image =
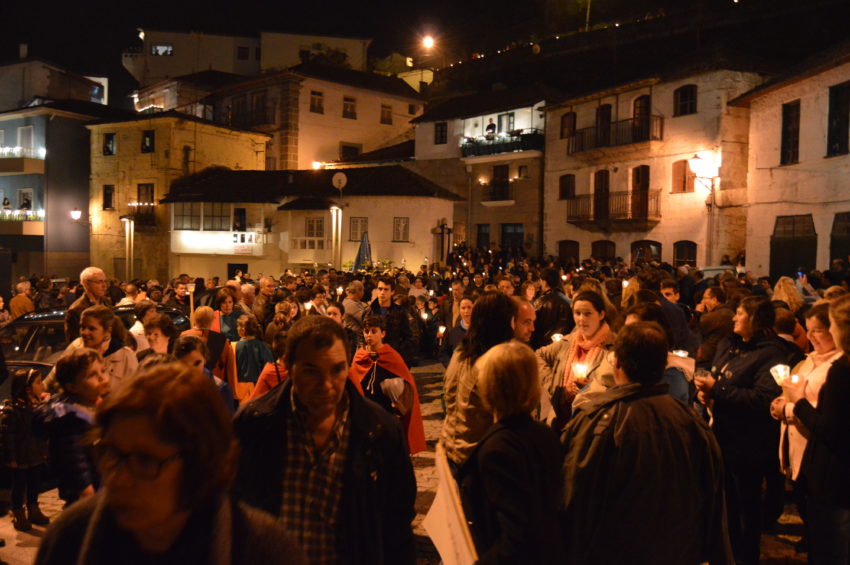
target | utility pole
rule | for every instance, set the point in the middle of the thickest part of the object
(587, 17)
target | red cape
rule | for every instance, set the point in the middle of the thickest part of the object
(389, 359)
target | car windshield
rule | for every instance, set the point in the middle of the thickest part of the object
(43, 342)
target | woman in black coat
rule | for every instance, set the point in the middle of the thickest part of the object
(739, 392)
(826, 462)
(509, 485)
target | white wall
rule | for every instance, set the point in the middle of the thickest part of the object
(425, 148)
(528, 117)
(281, 50)
(815, 185)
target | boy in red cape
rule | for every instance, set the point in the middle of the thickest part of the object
(380, 374)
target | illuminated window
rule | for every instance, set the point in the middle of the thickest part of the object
(148, 141)
(357, 227)
(401, 229)
(187, 215)
(162, 50)
(386, 114)
(315, 227)
(317, 102)
(441, 133)
(216, 216)
(790, 151)
(349, 108)
(109, 144)
(109, 197)
(685, 100)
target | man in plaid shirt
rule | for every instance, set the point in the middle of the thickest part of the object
(332, 466)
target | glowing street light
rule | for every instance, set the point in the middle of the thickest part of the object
(76, 214)
(428, 42)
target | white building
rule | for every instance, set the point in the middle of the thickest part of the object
(267, 221)
(618, 178)
(799, 167)
(29, 80)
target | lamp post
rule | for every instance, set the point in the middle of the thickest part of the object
(129, 236)
(706, 170)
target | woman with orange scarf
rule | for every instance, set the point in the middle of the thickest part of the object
(575, 367)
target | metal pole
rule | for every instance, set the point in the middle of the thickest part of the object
(587, 18)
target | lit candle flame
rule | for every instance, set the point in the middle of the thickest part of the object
(308, 305)
(580, 371)
(557, 337)
(424, 315)
(680, 353)
(625, 284)
(795, 379)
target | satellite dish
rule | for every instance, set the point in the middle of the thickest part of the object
(339, 180)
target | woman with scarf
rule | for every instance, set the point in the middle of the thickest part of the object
(380, 374)
(576, 366)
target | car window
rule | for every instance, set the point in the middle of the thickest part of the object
(14, 339)
(49, 342)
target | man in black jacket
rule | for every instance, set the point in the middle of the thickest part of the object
(399, 334)
(332, 466)
(554, 315)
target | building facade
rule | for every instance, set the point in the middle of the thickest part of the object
(133, 163)
(654, 170)
(31, 79)
(799, 167)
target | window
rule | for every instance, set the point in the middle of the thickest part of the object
(242, 53)
(603, 125)
(401, 229)
(109, 144)
(145, 204)
(386, 114)
(412, 109)
(187, 215)
(838, 124)
(357, 227)
(109, 197)
(685, 100)
(603, 249)
(522, 172)
(793, 246)
(2, 138)
(601, 183)
(684, 253)
(441, 133)
(568, 125)
(483, 236)
(314, 227)
(791, 227)
(258, 108)
(683, 178)
(25, 199)
(646, 250)
(317, 102)
(148, 141)
(216, 216)
(239, 111)
(349, 108)
(567, 187)
(790, 151)
(162, 50)
(506, 122)
(239, 219)
(349, 151)
(25, 141)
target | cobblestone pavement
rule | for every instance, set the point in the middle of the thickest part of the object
(777, 548)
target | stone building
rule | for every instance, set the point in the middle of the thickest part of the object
(133, 163)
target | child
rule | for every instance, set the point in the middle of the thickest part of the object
(380, 374)
(24, 454)
(251, 356)
(67, 419)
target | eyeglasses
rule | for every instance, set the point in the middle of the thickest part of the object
(138, 465)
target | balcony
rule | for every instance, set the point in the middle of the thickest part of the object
(492, 144)
(22, 222)
(22, 161)
(615, 211)
(497, 193)
(623, 132)
(248, 119)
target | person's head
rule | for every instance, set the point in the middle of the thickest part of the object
(477, 279)
(27, 386)
(385, 291)
(649, 312)
(224, 300)
(640, 353)
(713, 297)
(267, 286)
(96, 323)
(754, 317)
(164, 446)
(82, 374)
(181, 290)
(131, 290)
(317, 362)
(94, 282)
(374, 332)
(507, 380)
(670, 290)
(418, 282)
(524, 321)
(817, 328)
(786, 291)
(318, 295)
(202, 318)
(465, 309)
(159, 331)
(785, 322)
(492, 323)
(588, 312)
(248, 292)
(336, 312)
(839, 322)
(247, 327)
(354, 290)
(144, 310)
(505, 286)
(457, 290)
(192, 352)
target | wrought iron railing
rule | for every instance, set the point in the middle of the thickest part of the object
(623, 132)
(625, 205)
(514, 140)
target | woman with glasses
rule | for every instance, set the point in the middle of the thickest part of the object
(165, 450)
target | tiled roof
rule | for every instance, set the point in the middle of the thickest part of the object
(224, 185)
(359, 79)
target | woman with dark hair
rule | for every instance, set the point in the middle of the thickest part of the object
(739, 390)
(160, 333)
(165, 450)
(193, 352)
(226, 314)
(144, 310)
(455, 335)
(467, 420)
(577, 365)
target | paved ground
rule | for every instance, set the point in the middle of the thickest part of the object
(777, 549)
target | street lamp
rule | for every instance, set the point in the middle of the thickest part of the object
(76, 214)
(129, 236)
(428, 42)
(706, 170)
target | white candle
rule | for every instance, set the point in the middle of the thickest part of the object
(580, 372)
(557, 337)
(308, 305)
(680, 353)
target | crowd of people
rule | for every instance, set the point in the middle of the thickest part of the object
(595, 412)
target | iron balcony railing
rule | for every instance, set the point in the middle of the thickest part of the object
(623, 132)
(498, 189)
(514, 140)
(614, 206)
(249, 118)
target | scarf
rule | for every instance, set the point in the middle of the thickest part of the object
(585, 349)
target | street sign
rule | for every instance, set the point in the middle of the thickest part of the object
(339, 180)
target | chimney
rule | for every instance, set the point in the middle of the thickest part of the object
(23, 50)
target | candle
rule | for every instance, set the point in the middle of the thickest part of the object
(338, 290)
(424, 316)
(441, 330)
(780, 373)
(308, 305)
(564, 278)
(680, 353)
(430, 293)
(795, 379)
(625, 284)
(580, 373)
(557, 337)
